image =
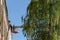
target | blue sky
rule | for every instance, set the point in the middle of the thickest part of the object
(17, 9)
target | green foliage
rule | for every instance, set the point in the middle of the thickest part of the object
(42, 20)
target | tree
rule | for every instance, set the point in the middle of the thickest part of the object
(42, 20)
